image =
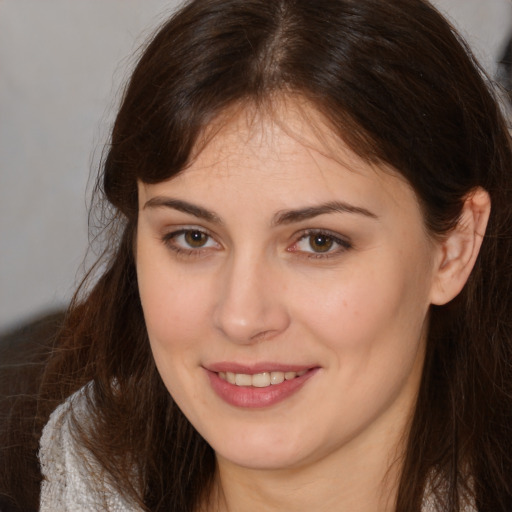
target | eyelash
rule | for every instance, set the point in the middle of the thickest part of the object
(342, 244)
(170, 238)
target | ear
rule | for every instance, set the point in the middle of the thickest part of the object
(460, 247)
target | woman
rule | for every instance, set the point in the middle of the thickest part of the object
(308, 303)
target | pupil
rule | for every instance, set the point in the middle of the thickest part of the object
(195, 238)
(320, 243)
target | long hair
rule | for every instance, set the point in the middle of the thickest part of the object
(398, 86)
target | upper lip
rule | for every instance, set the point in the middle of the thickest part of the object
(255, 368)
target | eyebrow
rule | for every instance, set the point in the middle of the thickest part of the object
(290, 216)
(282, 217)
(183, 206)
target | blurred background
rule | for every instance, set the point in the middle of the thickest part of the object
(62, 65)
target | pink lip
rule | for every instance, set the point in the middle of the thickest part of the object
(251, 397)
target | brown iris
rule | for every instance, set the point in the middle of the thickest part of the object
(320, 243)
(196, 239)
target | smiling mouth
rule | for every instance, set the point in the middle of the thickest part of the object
(259, 380)
(258, 386)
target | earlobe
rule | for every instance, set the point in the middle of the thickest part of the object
(459, 249)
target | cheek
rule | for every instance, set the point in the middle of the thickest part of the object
(171, 311)
(381, 305)
(171, 303)
(172, 314)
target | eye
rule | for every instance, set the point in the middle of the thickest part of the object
(190, 241)
(195, 239)
(320, 244)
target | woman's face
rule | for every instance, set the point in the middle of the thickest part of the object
(285, 287)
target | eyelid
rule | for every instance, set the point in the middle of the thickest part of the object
(170, 236)
(343, 243)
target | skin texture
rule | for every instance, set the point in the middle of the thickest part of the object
(256, 289)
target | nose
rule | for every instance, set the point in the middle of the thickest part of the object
(251, 304)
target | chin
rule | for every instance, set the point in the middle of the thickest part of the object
(261, 450)
(253, 459)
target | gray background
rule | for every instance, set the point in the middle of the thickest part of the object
(62, 64)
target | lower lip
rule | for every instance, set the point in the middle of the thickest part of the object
(252, 397)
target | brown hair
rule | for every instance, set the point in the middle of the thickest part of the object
(396, 83)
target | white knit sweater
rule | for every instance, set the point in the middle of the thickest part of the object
(67, 469)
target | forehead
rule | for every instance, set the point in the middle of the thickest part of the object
(280, 130)
(287, 155)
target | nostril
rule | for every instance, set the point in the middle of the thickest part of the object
(265, 335)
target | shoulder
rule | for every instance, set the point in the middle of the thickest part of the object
(72, 478)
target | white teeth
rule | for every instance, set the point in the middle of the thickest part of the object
(242, 379)
(259, 380)
(276, 377)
